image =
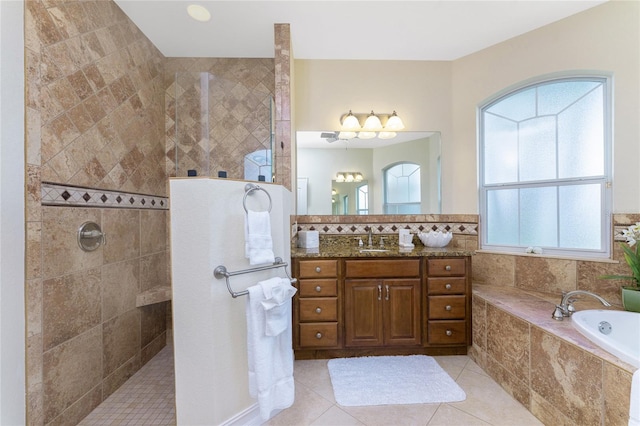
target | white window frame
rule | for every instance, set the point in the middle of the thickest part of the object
(605, 181)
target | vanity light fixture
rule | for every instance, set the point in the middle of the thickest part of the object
(394, 123)
(372, 122)
(199, 13)
(384, 125)
(349, 177)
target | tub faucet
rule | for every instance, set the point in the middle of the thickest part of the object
(370, 236)
(566, 309)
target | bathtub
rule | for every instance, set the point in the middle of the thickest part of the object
(617, 332)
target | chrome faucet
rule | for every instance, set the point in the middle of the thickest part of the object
(566, 309)
(370, 236)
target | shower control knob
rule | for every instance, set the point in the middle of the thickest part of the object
(318, 289)
(448, 332)
(318, 310)
(447, 268)
(447, 286)
(318, 335)
(447, 308)
(318, 269)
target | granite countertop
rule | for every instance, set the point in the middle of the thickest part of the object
(346, 247)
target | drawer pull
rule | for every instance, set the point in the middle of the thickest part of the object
(447, 308)
(387, 296)
(448, 332)
(319, 335)
(379, 292)
(318, 310)
(447, 268)
(318, 289)
(447, 286)
(318, 269)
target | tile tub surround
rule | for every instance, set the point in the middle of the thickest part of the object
(547, 365)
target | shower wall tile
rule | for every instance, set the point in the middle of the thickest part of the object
(33, 196)
(120, 286)
(71, 306)
(33, 296)
(154, 347)
(123, 234)
(153, 319)
(71, 370)
(153, 271)
(33, 255)
(79, 409)
(153, 231)
(60, 246)
(121, 340)
(113, 381)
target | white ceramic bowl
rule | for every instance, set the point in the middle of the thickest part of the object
(435, 238)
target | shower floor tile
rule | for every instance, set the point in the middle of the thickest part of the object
(147, 398)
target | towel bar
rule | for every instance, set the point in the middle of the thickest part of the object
(221, 272)
(248, 189)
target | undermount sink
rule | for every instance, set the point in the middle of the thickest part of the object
(373, 250)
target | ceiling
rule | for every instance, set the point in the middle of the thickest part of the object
(363, 30)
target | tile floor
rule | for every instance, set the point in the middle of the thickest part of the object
(148, 399)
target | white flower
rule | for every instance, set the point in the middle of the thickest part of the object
(632, 234)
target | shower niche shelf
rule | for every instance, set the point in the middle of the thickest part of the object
(154, 295)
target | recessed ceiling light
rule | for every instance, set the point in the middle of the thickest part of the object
(199, 13)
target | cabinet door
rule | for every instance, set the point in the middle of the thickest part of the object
(363, 313)
(401, 303)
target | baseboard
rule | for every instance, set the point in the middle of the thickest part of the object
(248, 417)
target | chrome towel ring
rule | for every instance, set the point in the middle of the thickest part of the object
(248, 189)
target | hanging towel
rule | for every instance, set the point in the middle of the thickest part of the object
(270, 357)
(257, 234)
(277, 304)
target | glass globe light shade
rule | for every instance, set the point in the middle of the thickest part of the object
(366, 135)
(394, 123)
(386, 135)
(372, 122)
(350, 122)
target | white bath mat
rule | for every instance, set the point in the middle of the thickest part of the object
(383, 380)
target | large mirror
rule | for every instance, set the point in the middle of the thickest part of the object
(368, 176)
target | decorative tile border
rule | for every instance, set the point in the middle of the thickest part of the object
(65, 195)
(389, 228)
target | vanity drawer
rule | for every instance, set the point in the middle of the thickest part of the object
(393, 268)
(447, 307)
(445, 267)
(324, 334)
(455, 285)
(447, 332)
(317, 288)
(317, 268)
(319, 309)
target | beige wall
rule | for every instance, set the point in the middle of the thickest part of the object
(605, 38)
(444, 95)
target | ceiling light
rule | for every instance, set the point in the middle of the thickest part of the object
(372, 122)
(386, 135)
(350, 122)
(394, 123)
(366, 135)
(199, 13)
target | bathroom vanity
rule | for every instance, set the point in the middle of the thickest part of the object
(381, 303)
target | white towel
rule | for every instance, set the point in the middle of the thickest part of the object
(277, 304)
(270, 357)
(257, 236)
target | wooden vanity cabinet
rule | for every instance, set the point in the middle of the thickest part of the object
(448, 301)
(316, 310)
(382, 303)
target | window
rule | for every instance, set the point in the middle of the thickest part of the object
(402, 189)
(362, 206)
(545, 166)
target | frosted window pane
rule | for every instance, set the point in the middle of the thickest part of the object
(537, 155)
(581, 136)
(517, 107)
(502, 215)
(538, 217)
(580, 216)
(555, 97)
(414, 186)
(500, 150)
